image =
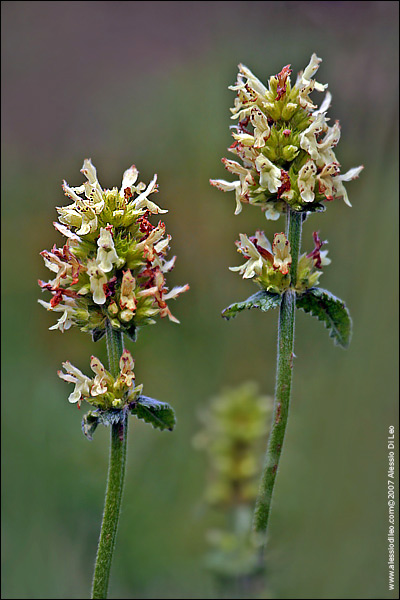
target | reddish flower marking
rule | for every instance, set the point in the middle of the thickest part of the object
(315, 254)
(57, 292)
(145, 226)
(263, 251)
(282, 78)
(242, 125)
(287, 132)
(109, 287)
(285, 186)
(127, 193)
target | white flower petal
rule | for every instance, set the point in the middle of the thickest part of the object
(128, 179)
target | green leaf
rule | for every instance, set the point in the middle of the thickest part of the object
(100, 417)
(159, 414)
(330, 310)
(263, 300)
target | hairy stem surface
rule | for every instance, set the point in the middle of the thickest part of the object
(115, 480)
(283, 386)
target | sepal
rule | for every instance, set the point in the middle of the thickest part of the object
(97, 334)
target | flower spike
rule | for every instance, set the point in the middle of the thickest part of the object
(285, 145)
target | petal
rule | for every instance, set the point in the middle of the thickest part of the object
(128, 179)
(225, 186)
(351, 174)
(89, 171)
(179, 289)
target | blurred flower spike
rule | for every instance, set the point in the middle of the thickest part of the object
(234, 425)
(103, 390)
(285, 145)
(269, 265)
(113, 263)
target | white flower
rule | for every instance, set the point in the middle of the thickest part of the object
(306, 181)
(241, 187)
(338, 185)
(310, 71)
(128, 180)
(147, 245)
(174, 293)
(64, 322)
(325, 181)
(127, 298)
(97, 280)
(55, 264)
(262, 240)
(106, 253)
(324, 147)
(102, 378)
(324, 258)
(254, 264)
(82, 382)
(306, 85)
(66, 232)
(68, 309)
(89, 222)
(270, 175)
(92, 188)
(244, 138)
(308, 139)
(256, 84)
(126, 365)
(230, 186)
(270, 212)
(325, 104)
(262, 130)
(142, 200)
(281, 251)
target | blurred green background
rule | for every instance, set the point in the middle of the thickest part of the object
(146, 82)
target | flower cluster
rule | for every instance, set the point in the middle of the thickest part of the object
(269, 266)
(103, 390)
(113, 263)
(234, 425)
(285, 144)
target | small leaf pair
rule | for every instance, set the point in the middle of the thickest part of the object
(318, 302)
(159, 414)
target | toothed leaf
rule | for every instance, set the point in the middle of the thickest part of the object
(159, 414)
(330, 310)
(263, 300)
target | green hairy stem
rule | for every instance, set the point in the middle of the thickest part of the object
(283, 385)
(115, 480)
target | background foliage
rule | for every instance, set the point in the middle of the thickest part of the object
(146, 82)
